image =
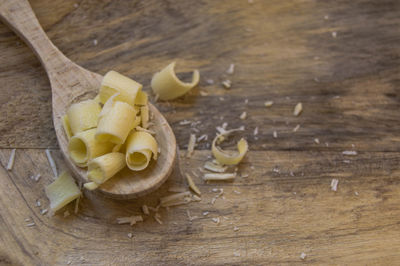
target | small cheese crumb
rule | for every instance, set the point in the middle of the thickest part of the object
(227, 84)
(246, 101)
(326, 17)
(191, 145)
(216, 220)
(349, 153)
(231, 69)
(52, 163)
(185, 122)
(210, 81)
(205, 213)
(298, 109)
(145, 210)
(243, 116)
(303, 255)
(43, 212)
(157, 217)
(130, 235)
(316, 140)
(268, 103)
(11, 160)
(30, 224)
(236, 229)
(227, 176)
(236, 254)
(38, 203)
(275, 134)
(95, 42)
(356, 193)
(296, 128)
(334, 184)
(255, 132)
(202, 137)
(334, 34)
(192, 185)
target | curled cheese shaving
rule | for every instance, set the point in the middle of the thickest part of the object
(62, 191)
(139, 147)
(226, 158)
(115, 125)
(83, 116)
(106, 166)
(83, 147)
(113, 82)
(167, 86)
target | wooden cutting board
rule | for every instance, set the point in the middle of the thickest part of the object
(340, 59)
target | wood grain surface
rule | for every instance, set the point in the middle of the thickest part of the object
(339, 58)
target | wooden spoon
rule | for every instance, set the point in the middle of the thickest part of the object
(71, 83)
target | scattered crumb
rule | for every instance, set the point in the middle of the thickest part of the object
(237, 192)
(216, 220)
(192, 185)
(334, 34)
(316, 140)
(66, 213)
(191, 145)
(27, 219)
(37, 177)
(43, 212)
(227, 84)
(130, 235)
(69, 262)
(255, 132)
(275, 134)
(303, 255)
(95, 42)
(202, 137)
(356, 193)
(203, 93)
(236, 229)
(145, 210)
(326, 17)
(157, 217)
(221, 99)
(231, 69)
(52, 163)
(296, 128)
(30, 224)
(346, 161)
(243, 116)
(11, 160)
(246, 101)
(38, 203)
(349, 153)
(236, 254)
(210, 81)
(205, 213)
(268, 103)
(298, 109)
(334, 184)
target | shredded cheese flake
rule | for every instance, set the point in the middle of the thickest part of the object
(243, 116)
(216, 177)
(145, 210)
(268, 103)
(191, 145)
(227, 84)
(298, 109)
(217, 168)
(52, 163)
(296, 128)
(334, 184)
(231, 69)
(192, 185)
(349, 153)
(11, 160)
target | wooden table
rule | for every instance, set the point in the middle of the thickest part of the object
(341, 59)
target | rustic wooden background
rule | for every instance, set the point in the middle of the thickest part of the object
(284, 51)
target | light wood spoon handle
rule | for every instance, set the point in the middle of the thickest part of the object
(19, 16)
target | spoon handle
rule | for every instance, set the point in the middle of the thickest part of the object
(19, 16)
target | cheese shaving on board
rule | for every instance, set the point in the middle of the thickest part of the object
(167, 85)
(229, 158)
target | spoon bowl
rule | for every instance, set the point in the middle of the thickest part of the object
(71, 83)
